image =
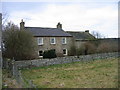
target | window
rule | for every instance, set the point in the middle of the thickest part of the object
(64, 51)
(40, 53)
(40, 41)
(3, 46)
(52, 41)
(63, 40)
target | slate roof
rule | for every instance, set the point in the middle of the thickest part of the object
(40, 31)
(81, 35)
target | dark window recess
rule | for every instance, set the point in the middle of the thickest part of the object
(64, 51)
(40, 53)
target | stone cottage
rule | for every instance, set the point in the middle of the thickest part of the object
(51, 38)
(56, 38)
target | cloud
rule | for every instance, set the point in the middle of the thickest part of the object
(76, 17)
(59, 0)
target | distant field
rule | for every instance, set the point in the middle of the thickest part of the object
(94, 74)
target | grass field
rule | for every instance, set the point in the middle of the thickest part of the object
(93, 74)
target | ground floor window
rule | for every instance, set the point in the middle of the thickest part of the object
(40, 53)
(64, 51)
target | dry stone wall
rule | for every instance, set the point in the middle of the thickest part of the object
(62, 60)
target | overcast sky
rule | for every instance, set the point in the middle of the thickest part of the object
(74, 15)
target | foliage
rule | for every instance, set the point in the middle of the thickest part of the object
(97, 46)
(49, 54)
(19, 44)
(107, 47)
(72, 50)
(80, 50)
(90, 48)
(86, 48)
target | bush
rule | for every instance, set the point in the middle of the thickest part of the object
(19, 44)
(49, 54)
(80, 50)
(72, 50)
(90, 48)
(86, 48)
(107, 47)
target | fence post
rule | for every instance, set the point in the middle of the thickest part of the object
(13, 67)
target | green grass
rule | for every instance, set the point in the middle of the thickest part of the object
(94, 74)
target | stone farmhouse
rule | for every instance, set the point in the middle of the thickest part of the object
(56, 38)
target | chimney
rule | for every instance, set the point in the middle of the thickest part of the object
(22, 25)
(59, 26)
(87, 31)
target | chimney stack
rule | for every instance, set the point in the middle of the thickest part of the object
(59, 26)
(22, 25)
(87, 31)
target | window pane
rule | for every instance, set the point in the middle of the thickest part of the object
(40, 41)
(52, 40)
(40, 53)
(63, 40)
(64, 51)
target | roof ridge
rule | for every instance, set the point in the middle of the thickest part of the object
(76, 31)
(42, 31)
(41, 27)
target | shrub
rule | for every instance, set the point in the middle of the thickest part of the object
(80, 50)
(86, 48)
(90, 48)
(72, 50)
(19, 44)
(49, 54)
(107, 47)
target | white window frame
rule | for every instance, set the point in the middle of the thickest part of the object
(65, 42)
(51, 41)
(3, 46)
(40, 42)
(66, 51)
(0, 48)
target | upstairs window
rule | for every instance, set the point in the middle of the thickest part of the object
(40, 41)
(52, 41)
(64, 41)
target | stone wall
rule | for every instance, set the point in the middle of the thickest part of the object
(61, 60)
(113, 41)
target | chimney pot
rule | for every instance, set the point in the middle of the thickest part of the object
(87, 31)
(22, 25)
(59, 26)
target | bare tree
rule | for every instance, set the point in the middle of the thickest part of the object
(97, 34)
(4, 18)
